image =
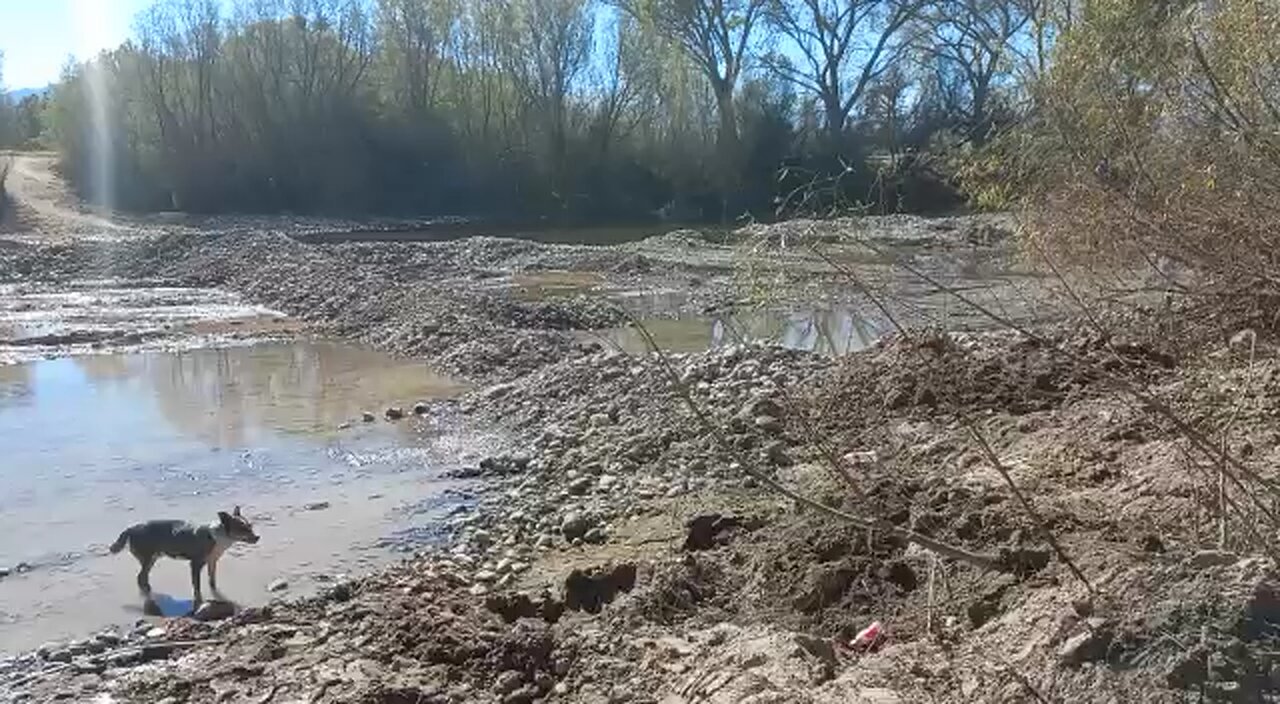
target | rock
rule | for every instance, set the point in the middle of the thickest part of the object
(125, 658)
(497, 391)
(1151, 543)
(88, 666)
(340, 592)
(574, 526)
(394, 413)
(486, 576)
(768, 424)
(278, 585)
(580, 486)
(1212, 558)
(22, 568)
(823, 650)
(776, 452)
(156, 651)
(368, 417)
(524, 695)
(761, 405)
(600, 420)
(861, 457)
(215, 610)
(4, 572)
(508, 681)
(420, 409)
(1089, 646)
(156, 632)
(595, 536)
(316, 506)
(80, 647)
(58, 655)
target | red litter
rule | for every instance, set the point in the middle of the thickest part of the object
(868, 637)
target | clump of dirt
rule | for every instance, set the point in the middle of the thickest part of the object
(712, 529)
(589, 590)
(515, 606)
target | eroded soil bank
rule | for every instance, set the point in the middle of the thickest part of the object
(627, 554)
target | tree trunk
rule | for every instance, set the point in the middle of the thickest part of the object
(727, 148)
(835, 117)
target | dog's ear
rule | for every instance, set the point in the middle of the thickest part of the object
(224, 517)
(236, 512)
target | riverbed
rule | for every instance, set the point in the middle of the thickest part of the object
(96, 442)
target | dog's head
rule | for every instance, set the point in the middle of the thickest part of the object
(236, 527)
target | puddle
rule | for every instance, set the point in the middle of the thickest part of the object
(831, 331)
(96, 443)
(541, 285)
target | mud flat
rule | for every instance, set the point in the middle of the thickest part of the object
(622, 554)
(620, 551)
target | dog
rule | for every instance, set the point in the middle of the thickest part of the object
(201, 545)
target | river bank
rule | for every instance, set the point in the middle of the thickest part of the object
(626, 555)
(635, 548)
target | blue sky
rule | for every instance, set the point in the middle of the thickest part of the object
(37, 36)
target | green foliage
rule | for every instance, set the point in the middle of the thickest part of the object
(1157, 135)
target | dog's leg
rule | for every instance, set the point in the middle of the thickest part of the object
(213, 577)
(146, 562)
(196, 567)
(144, 573)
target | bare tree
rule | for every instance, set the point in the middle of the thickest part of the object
(628, 70)
(886, 108)
(416, 35)
(844, 46)
(550, 47)
(717, 36)
(975, 42)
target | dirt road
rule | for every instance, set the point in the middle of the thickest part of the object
(46, 210)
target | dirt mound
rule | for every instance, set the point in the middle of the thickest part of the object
(933, 375)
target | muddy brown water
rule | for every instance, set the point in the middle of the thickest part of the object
(835, 330)
(94, 443)
(832, 329)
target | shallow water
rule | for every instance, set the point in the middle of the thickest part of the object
(40, 320)
(834, 330)
(93, 444)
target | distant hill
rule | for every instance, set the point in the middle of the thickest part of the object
(20, 93)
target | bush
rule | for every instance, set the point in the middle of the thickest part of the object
(1157, 136)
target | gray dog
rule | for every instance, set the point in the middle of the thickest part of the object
(199, 545)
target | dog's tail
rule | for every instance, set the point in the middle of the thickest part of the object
(120, 542)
